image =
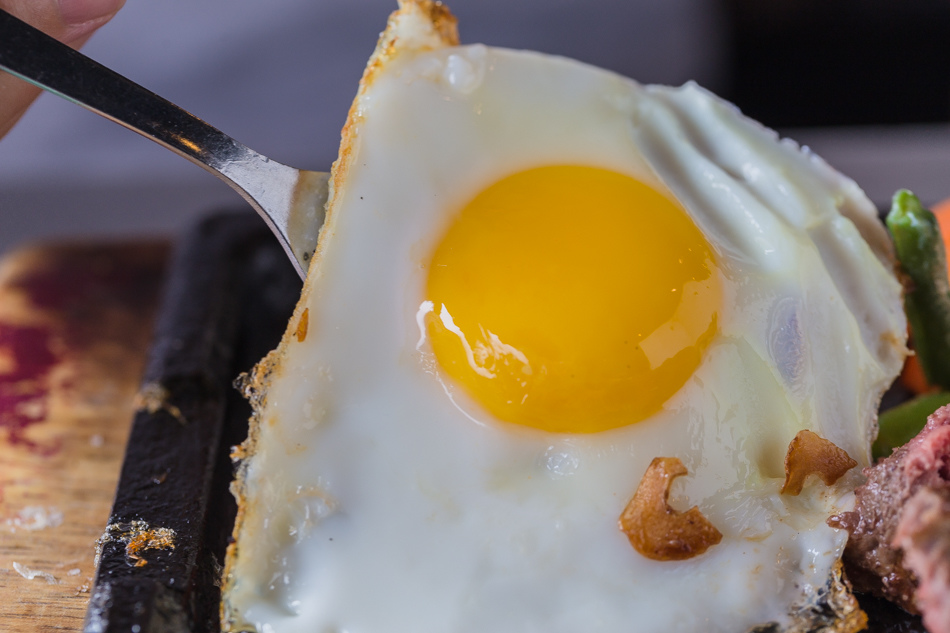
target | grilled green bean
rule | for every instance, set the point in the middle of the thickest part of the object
(923, 261)
(898, 425)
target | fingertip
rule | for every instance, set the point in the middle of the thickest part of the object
(82, 17)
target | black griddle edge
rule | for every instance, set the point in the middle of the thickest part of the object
(229, 293)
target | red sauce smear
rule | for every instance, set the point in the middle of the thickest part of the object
(89, 293)
(24, 386)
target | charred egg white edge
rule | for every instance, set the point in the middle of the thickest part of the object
(370, 502)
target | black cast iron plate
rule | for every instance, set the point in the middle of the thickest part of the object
(228, 296)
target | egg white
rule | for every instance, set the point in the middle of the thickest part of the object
(379, 499)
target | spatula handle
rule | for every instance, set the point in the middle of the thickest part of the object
(45, 62)
(289, 200)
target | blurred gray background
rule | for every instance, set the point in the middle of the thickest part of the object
(279, 76)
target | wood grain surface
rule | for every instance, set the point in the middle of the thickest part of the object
(75, 324)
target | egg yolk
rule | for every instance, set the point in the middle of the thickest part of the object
(571, 299)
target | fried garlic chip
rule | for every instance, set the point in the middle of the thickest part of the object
(656, 530)
(809, 453)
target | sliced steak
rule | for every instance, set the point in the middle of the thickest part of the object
(923, 535)
(873, 562)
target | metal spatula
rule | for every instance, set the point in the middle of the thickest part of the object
(290, 200)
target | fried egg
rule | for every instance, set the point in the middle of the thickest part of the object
(535, 278)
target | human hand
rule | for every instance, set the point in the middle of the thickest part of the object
(70, 21)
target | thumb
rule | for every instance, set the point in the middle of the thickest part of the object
(69, 21)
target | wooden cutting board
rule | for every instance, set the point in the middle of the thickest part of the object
(75, 325)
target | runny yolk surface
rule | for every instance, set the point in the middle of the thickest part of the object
(572, 299)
